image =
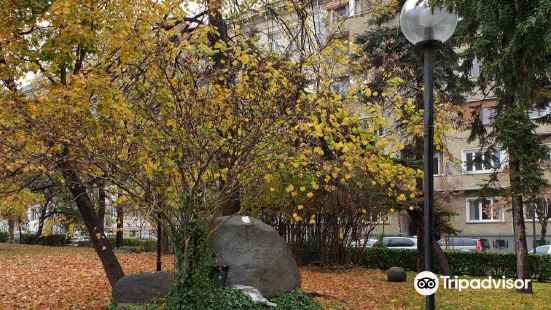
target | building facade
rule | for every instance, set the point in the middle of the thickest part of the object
(466, 168)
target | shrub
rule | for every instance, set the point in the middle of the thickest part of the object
(461, 263)
(143, 245)
(29, 239)
(383, 258)
(221, 299)
(54, 240)
(130, 248)
(379, 243)
(4, 236)
(295, 300)
(50, 240)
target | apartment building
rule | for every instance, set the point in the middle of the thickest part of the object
(461, 174)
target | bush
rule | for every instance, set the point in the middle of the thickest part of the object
(222, 299)
(142, 245)
(50, 240)
(4, 236)
(54, 240)
(383, 258)
(29, 239)
(130, 248)
(461, 263)
(295, 300)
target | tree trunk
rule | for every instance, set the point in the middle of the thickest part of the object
(101, 207)
(417, 218)
(233, 204)
(164, 241)
(519, 229)
(84, 205)
(19, 226)
(441, 259)
(42, 218)
(543, 232)
(120, 227)
(11, 229)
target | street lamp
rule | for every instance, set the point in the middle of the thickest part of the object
(427, 27)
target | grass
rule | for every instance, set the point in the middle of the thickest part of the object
(41, 277)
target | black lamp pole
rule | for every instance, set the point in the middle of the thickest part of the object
(428, 179)
(159, 228)
(534, 227)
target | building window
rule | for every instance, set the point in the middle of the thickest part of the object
(438, 164)
(486, 115)
(539, 113)
(482, 161)
(483, 210)
(540, 206)
(475, 68)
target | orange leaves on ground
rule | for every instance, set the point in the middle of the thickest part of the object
(352, 288)
(37, 277)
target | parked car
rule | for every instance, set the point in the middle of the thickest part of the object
(400, 242)
(543, 249)
(80, 240)
(367, 243)
(465, 244)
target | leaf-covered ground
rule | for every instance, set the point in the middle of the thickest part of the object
(37, 277)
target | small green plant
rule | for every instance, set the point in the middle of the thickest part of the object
(144, 245)
(53, 240)
(295, 300)
(29, 239)
(379, 243)
(4, 236)
(221, 299)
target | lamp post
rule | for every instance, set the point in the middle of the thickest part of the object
(427, 27)
(534, 244)
(159, 241)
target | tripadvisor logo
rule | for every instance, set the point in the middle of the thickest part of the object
(426, 283)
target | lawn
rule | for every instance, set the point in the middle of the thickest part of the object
(37, 277)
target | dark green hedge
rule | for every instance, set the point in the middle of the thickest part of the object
(137, 244)
(461, 263)
(50, 240)
(4, 236)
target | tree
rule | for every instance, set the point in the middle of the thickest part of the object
(14, 203)
(145, 97)
(390, 68)
(510, 38)
(60, 122)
